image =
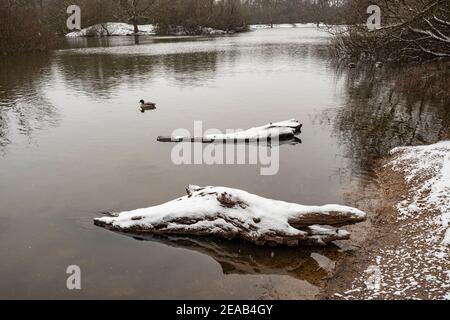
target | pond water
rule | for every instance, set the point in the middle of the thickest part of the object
(73, 142)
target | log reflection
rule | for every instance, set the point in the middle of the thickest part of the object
(237, 257)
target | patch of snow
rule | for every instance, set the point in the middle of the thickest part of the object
(112, 29)
(327, 230)
(353, 291)
(427, 169)
(417, 267)
(446, 240)
(232, 213)
(214, 32)
(285, 25)
(218, 32)
(183, 31)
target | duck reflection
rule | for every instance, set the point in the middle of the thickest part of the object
(310, 264)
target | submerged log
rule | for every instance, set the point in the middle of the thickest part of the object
(280, 131)
(235, 214)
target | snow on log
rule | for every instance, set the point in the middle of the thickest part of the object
(285, 130)
(235, 214)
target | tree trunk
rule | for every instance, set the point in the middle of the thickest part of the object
(235, 214)
(135, 25)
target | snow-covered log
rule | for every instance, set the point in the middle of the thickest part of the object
(236, 214)
(284, 130)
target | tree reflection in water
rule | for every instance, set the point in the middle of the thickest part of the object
(384, 109)
(23, 105)
(100, 75)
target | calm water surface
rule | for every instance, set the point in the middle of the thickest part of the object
(73, 142)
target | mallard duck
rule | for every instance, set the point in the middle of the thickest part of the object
(379, 65)
(147, 105)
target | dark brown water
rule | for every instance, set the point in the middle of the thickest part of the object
(73, 142)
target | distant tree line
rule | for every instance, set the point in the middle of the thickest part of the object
(219, 14)
(33, 25)
(411, 29)
(295, 11)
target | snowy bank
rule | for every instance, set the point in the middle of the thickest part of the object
(124, 29)
(427, 172)
(285, 25)
(196, 31)
(235, 214)
(112, 29)
(409, 254)
(284, 130)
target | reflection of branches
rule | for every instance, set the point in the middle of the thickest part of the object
(406, 106)
(3, 130)
(100, 75)
(23, 107)
(100, 71)
(191, 68)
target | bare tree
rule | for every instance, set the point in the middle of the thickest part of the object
(135, 10)
(412, 30)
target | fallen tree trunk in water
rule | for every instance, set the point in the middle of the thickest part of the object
(285, 130)
(235, 214)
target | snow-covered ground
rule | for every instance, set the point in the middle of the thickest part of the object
(418, 266)
(284, 25)
(112, 29)
(124, 29)
(427, 170)
(231, 213)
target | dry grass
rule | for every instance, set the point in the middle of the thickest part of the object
(431, 79)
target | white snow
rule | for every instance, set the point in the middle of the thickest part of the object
(258, 217)
(417, 266)
(124, 29)
(280, 130)
(182, 31)
(428, 170)
(112, 29)
(285, 25)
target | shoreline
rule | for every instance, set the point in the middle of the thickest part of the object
(116, 29)
(402, 256)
